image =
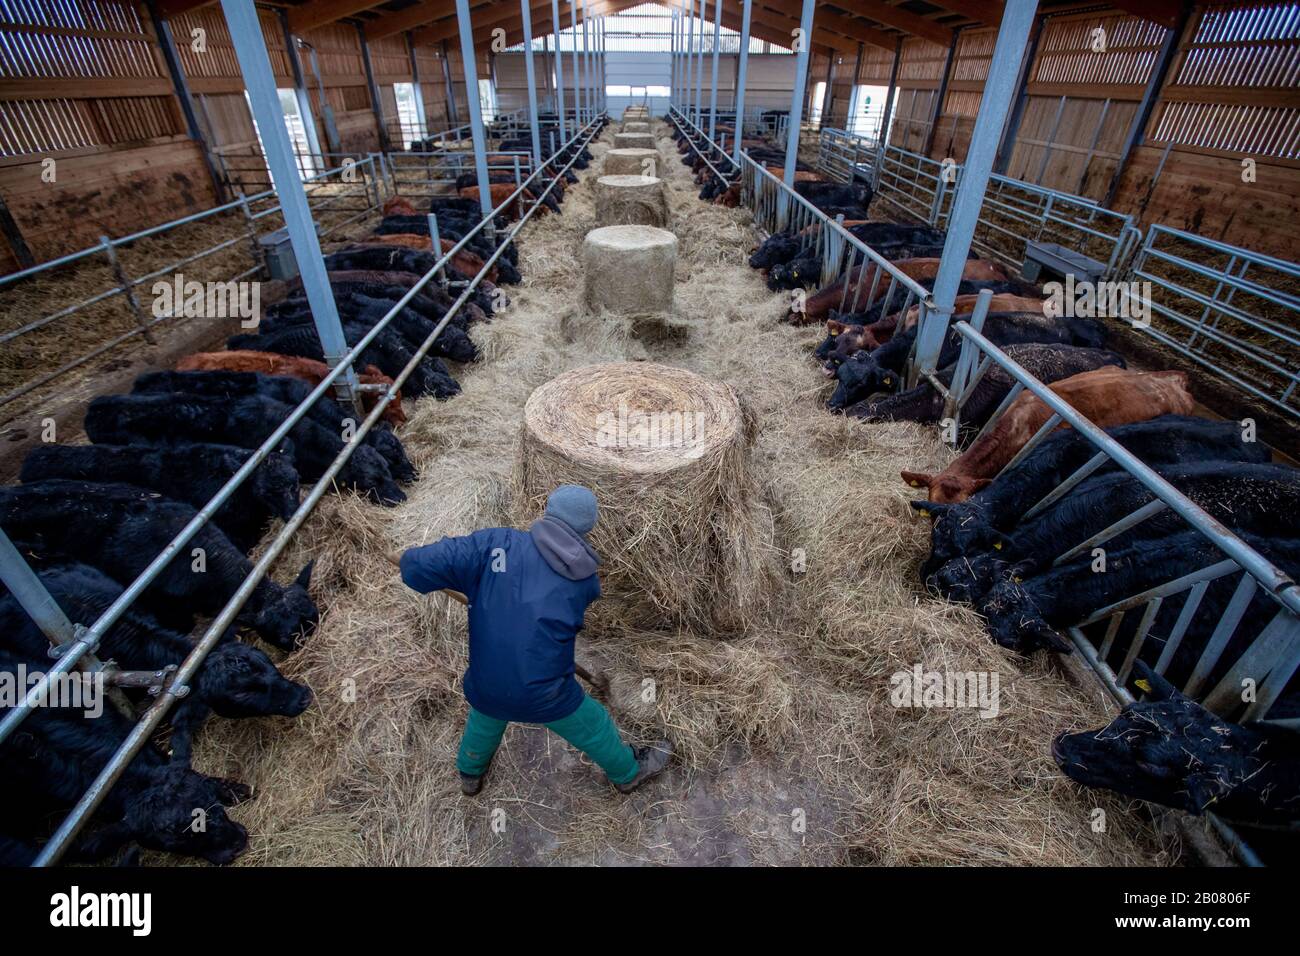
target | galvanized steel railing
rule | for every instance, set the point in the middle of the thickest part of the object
(88, 638)
(1229, 310)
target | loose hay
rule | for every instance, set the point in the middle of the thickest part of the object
(684, 539)
(792, 714)
(631, 200)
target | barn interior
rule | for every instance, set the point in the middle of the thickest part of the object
(367, 242)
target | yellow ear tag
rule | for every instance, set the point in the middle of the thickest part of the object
(1016, 580)
(1143, 685)
(915, 484)
(923, 513)
(997, 545)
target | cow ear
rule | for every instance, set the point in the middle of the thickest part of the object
(978, 484)
(304, 576)
(927, 509)
(917, 479)
(1048, 637)
(833, 327)
(1152, 684)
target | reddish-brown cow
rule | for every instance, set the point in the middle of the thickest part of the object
(869, 277)
(1106, 396)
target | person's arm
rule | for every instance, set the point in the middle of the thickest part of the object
(449, 564)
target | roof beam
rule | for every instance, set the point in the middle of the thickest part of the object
(321, 12)
(780, 28)
(175, 8)
(427, 11)
(988, 12)
(1163, 12)
(824, 21)
(901, 19)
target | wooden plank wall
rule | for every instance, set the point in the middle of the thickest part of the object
(920, 70)
(84, 85)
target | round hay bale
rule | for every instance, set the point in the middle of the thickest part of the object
(631, 201)
(636, 126)
(632, 162)
(681, 536)
(629, 269)
(634, 141)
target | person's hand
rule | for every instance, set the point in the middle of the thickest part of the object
(394, 558)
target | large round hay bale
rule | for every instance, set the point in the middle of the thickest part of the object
(636, 126)
(631, 201)
(682, 536)
(632, 162)
(629, 269)
(634, 141)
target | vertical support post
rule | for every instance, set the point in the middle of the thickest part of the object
(577, 79)
(167, 44)
(941, 94)
(690, 57)
(1012, 129)
(421, 116)
(713, 94)
(588, 60)
(800, 89)
(377, 104)
(999, 88)
(1159, 72)
(888, 113)
(559, 67)
(453, 112)
(699, 70)
(743, 69)
(827, 97)
(853, 91)
(300, 90)
(674, 97)
(259, 81)
(532, 84)
(128, 289)
(470, 64)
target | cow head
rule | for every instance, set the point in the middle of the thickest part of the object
(1166, 749)
(859, 378)
(944, 488)
(1014, 620)
(967, 579)
(394, 454)
(286, 614)
(181, 811)
(957, 529)
(367, 471)
(275, 483)
(238, 680)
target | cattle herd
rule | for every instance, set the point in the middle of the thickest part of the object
(90, 518)
(992, 549)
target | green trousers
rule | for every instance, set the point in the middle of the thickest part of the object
(589, 728)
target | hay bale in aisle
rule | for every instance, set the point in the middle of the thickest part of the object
(633, 162)
(683, 537)
(631, 201)
(629, 269)
(636, 126)
(634, 141)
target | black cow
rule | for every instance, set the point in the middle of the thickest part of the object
(51, 760)
(247, 421)
(192, 473)
(1169, 750)
(854, 199)
(881, 370)
(120, 529)
(387, 352)
(972, 526)
(281, 388)
(236, 680)
(1259, 499)
(1047, 363)
(1025, 614)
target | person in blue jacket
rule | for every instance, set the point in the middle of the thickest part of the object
(528, 593)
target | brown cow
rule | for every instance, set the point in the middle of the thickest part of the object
(864, 277)
(309, 370)
(399, 206)
(500, 193)
(882, 330)
(1106, 396)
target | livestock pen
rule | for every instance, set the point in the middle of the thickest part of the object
(435, 277)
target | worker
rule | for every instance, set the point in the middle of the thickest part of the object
(528, 593)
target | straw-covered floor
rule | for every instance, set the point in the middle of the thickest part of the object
(789, 749)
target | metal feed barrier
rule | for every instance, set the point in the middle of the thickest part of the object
(333, 191)
(1229, 310)
(175, 685)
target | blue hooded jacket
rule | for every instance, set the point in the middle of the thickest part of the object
(528, 594)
